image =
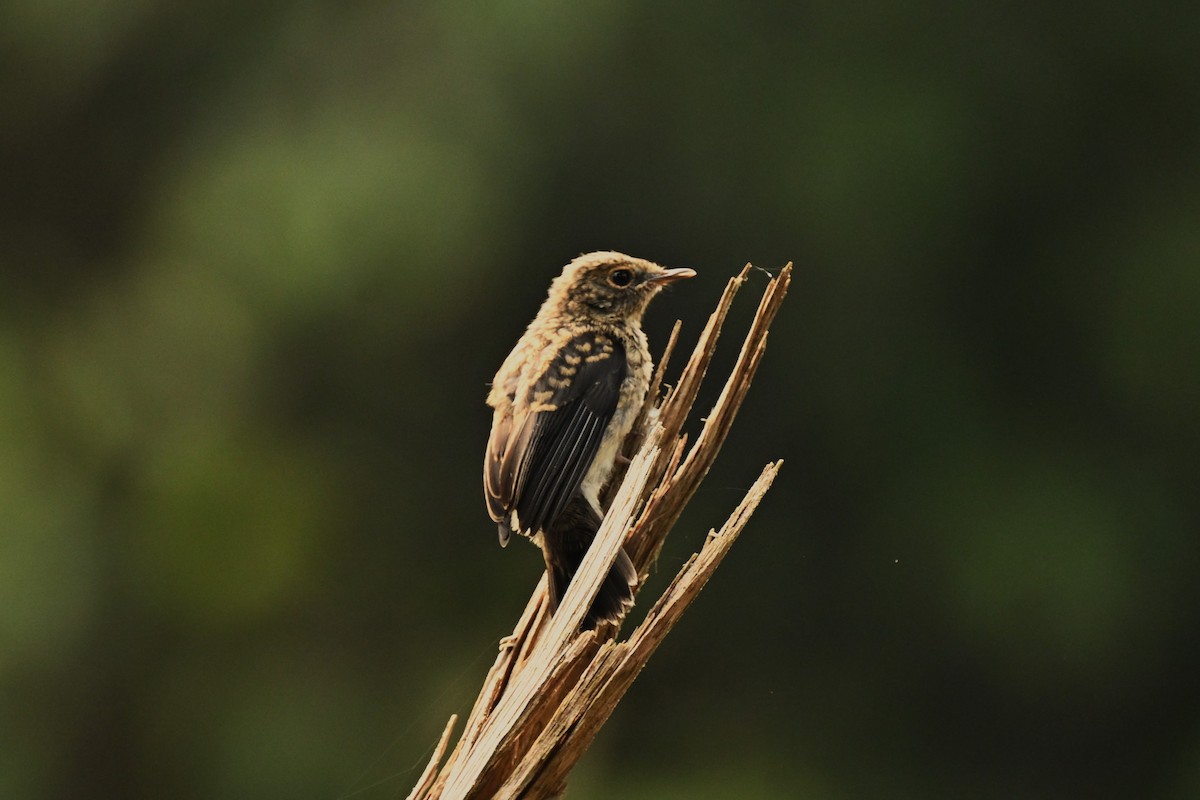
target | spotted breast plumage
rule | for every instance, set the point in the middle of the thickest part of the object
(564, 400)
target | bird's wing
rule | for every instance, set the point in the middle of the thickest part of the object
(497, 483)
(540, 451)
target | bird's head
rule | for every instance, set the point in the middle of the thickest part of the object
(612, 286)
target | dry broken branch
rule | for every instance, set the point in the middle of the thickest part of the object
(552, 687)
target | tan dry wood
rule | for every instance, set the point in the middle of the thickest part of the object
(552, 687)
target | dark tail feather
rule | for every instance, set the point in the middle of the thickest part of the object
(614, 597)
(565, 544)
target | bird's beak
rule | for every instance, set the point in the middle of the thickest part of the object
(671, 275)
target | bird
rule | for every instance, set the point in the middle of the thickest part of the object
(563, 402)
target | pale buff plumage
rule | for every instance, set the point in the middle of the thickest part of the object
(586, 336)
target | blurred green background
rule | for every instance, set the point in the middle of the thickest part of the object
(259, 259)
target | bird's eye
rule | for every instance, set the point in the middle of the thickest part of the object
(620, 278)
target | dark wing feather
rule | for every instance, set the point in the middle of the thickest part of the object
(501, 466)
(562, 443)
(496, 484)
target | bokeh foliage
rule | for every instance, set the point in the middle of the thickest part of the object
(258, 260)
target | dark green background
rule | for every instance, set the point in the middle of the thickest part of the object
(259, 260)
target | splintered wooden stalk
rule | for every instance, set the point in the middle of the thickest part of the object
(552, 687)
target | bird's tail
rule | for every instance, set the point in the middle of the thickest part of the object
(565, 543)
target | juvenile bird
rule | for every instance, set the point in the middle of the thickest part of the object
(564, 401)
